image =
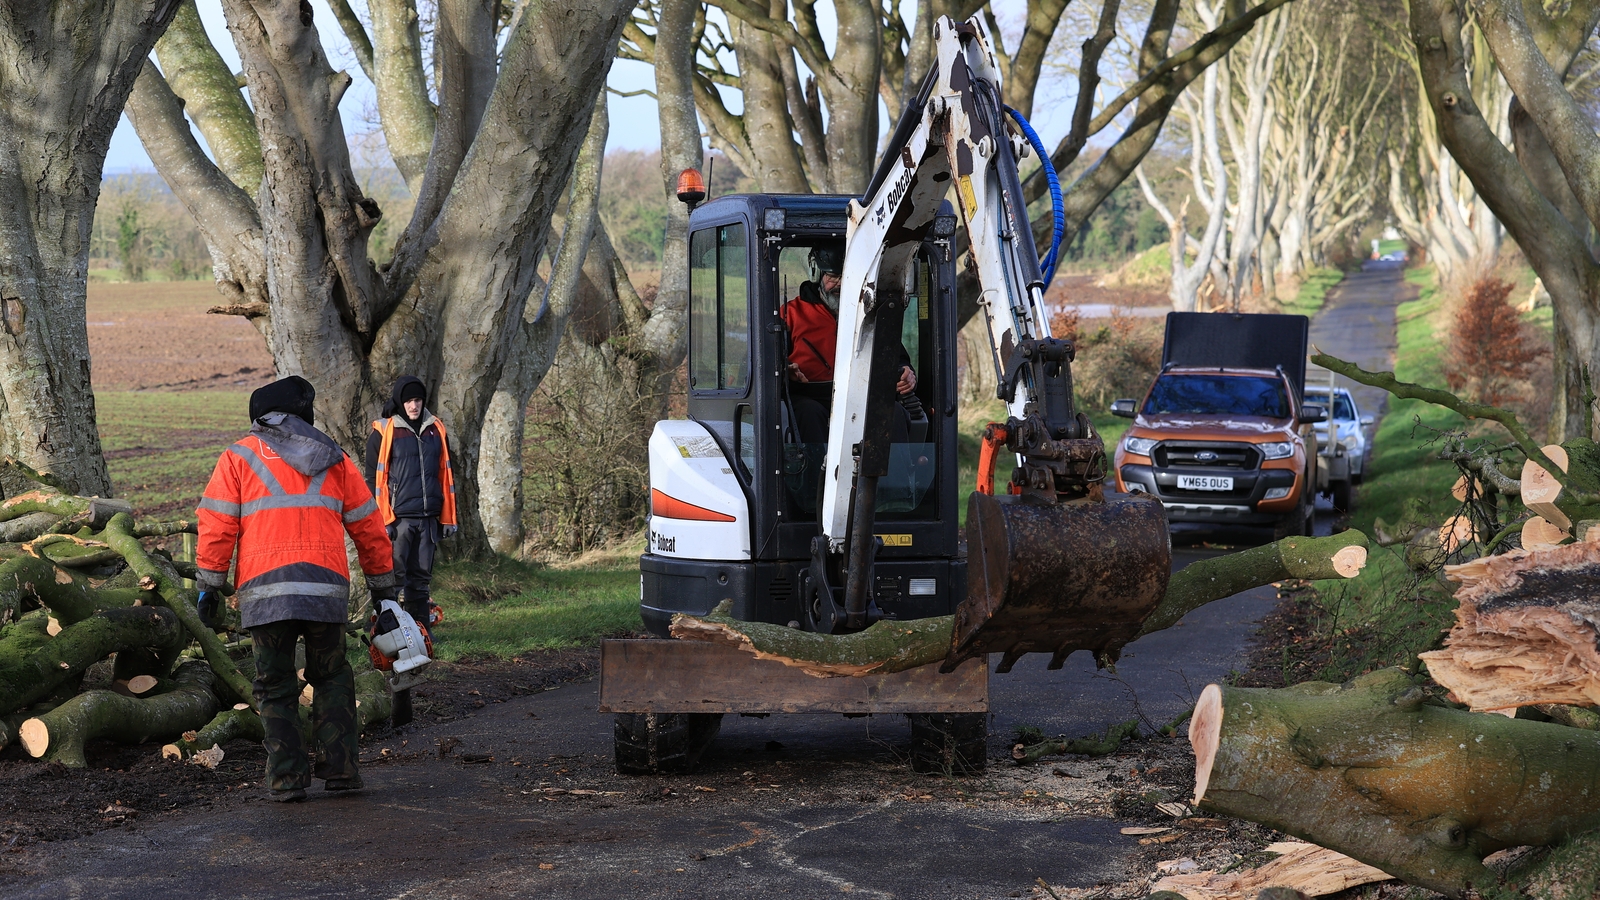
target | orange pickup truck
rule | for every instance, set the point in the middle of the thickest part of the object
(1223, 435)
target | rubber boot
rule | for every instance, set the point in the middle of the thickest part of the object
(401, 713)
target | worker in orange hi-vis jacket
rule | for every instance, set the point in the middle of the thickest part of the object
(284, 497)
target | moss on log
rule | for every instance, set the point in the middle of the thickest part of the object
(1312, 559)
(1374, 770)
(83, 644)
(21, 639)
(60, 735)
(119, 534)
(29, 581)
(895, 646)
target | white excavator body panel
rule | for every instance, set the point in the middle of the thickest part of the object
(697, 508)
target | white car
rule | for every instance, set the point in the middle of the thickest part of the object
(1343, 460)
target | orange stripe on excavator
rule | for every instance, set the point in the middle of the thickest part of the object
(672, 508)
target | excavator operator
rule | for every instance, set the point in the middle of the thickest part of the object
(812, 318)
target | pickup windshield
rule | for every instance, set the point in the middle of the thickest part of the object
(1218, 395)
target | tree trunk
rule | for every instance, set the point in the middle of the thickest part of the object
(60, 735)
(1374, 771)
(534, 349)
(894, 646)
(65, 71)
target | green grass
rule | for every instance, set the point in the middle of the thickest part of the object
(1313, 291)
(161, 447)
(507, 608)
(1387, 614)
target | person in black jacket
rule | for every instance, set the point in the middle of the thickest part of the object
(408, 467)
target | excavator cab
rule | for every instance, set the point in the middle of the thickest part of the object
(741, 527)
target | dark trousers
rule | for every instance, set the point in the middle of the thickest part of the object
(415, 541)
(812, 405)
(334, 728)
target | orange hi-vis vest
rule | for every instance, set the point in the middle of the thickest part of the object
(447, 483)
(813, 336)
(289, 531)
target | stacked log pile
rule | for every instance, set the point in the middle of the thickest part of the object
(80, 584)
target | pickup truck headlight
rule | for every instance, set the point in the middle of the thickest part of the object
(1139, 446)
(1277, 450)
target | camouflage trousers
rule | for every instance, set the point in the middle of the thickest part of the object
(334, 730)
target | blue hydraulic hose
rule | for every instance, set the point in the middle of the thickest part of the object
(1047, 265)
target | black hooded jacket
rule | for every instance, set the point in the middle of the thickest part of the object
(414, 488)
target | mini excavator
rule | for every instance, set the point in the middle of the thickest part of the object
(831, 537)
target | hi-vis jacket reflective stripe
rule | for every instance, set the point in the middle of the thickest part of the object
(447, 485)
(289, 531)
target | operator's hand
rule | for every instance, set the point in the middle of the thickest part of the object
(380, 594)
(389, 530)
(450, 531)
(795, 374)
(209, 606)
(907, 382)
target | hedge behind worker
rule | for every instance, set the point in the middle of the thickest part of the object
(285, 496)
(408, 468)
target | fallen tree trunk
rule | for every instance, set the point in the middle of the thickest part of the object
(28, 527)
(1341, 555)
(79, 646)
(27, 581)
(895, 646)
(1374, 770)
(1526, 632)
(119, 535)
(59, 735)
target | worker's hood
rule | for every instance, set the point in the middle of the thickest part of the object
(306, 450)
(397, 395)
(1212, 425)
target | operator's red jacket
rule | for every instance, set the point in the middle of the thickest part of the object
(285, 496)
(813, 337)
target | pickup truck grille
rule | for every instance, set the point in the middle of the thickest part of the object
(1188, 454)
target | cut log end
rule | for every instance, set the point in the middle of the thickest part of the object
(35, 737)
(1456, 531)
(142, 684)
(1349, 561)
(53, 628)
(1539, 533)
(1205, 735)
(1540, 489)
(172, 751)
(241, 706)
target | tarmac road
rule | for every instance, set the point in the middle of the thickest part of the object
(821, 808)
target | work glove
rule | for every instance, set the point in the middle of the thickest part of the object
(450, 531)
(209, 605)
(389, 530)
(380, 594)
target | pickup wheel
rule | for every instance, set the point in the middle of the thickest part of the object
(662, 743)
(949, 743)
(1343, 496)
(1296, 523)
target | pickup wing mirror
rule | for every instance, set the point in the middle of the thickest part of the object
(1311, 413)
(1367, 420)
(1123, 408)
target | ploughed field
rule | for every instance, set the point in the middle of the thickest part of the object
(172, 386)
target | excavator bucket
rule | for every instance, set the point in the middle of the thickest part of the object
(1051, 577)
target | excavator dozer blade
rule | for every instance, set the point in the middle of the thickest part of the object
(1058, 577)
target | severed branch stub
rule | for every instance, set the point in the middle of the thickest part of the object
(896, 646)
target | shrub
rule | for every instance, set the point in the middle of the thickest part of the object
(1119, 358)
(1491, 352)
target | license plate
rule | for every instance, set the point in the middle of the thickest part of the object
(1205, 482)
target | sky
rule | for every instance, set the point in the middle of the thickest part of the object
(634, 122)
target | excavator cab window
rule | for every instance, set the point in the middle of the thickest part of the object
(719, 310)
(907, 492)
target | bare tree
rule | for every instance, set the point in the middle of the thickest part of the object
(502, 134)
(1545, 191)
(1435, 200)
(65, 73)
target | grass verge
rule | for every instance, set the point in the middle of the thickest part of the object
(1313, 291)
(1388, 614)
(506, 608)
